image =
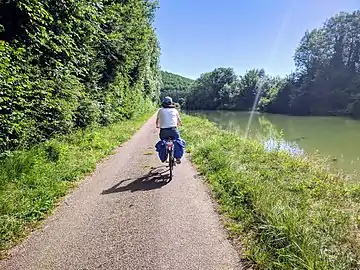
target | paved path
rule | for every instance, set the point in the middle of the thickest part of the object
(126, 216)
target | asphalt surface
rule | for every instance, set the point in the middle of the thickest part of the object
(127, 215)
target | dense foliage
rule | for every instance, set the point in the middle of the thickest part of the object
(176, 86)
(326, 80)
(70, 64)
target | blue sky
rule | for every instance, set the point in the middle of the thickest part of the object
(197, 36)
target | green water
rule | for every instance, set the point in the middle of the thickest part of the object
(335, 138)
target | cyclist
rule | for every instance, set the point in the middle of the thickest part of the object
(168, 119)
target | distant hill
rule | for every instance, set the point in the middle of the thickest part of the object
(175, 81)
(175, 86)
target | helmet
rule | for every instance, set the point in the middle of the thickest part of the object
(167, 101)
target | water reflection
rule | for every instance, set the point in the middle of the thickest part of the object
(282, 145)
(333, 137)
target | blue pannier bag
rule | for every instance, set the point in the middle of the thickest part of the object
(179, 147)
(161, 149)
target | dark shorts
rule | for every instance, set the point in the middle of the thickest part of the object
(169, 132)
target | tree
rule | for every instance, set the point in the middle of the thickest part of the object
(69, 64)
(213, 90)
(326, 80)
(327, 61)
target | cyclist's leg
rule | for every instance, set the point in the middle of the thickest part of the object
(173, 132)
(162, 134)
(165, 133)
(176, 135)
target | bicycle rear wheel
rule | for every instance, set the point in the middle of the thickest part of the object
(171, 165)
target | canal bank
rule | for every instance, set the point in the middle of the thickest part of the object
(289, 212)
(331, 138)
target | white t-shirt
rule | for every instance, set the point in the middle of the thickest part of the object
(168, 117)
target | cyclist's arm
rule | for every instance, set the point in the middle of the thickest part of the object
(179, 119)
(157, 120)
(157, 123)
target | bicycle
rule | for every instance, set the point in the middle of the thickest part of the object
(170, 155)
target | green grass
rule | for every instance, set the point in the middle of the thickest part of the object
(33, 181)
(288, 212)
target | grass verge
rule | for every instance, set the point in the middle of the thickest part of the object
(290, 212)
(33, 181)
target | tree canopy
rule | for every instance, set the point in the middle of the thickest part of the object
(70, 64)
(326, 80)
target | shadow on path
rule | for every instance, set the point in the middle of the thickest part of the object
(155, 179)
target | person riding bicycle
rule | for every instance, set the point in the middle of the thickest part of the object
(168, 119)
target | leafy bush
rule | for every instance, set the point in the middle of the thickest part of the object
(70, 64)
